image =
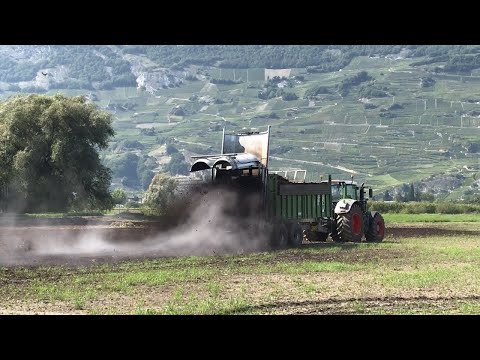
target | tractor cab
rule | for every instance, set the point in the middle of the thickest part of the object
(349, 189)
(344, 190)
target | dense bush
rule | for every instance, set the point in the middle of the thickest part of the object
(316, 90)
(288, 96)
(348, 82)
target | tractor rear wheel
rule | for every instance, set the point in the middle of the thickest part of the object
(376, 228)
(334, 234)
(350, 225)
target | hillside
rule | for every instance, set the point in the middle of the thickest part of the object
(391, 115)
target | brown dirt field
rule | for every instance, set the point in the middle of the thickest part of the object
(268, 293)
(348, 306)
(19, 244)
(26, 240)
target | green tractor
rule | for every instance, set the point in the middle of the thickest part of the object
(315, 210)
(352, 221)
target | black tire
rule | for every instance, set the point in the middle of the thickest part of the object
(376, 228)
(296, 237)
(279, 238)
(334, 234)
(350, 225)
(317, 236)
(322, 236)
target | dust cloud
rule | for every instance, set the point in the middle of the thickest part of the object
(204, 220)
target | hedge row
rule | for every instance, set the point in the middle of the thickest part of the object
(423, 207)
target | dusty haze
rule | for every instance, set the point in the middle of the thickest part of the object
(205, 221)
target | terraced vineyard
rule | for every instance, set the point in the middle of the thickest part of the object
(393, 129)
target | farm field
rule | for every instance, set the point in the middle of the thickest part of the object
(402, 120)
(420, 268)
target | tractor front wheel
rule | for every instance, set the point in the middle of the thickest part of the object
(376, 228)
(350, 225)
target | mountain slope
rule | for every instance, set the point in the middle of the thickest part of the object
(388, 114)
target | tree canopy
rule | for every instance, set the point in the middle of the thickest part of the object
(119, 196)
(49, 157)
(160, 193)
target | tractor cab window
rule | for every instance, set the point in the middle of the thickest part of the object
(336, 192)
(350, 192)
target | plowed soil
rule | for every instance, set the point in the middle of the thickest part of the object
(422, 270)
(20, 245)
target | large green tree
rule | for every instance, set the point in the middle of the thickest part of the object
(49, 153)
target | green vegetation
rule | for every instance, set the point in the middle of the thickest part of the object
(105, 67)
(48, 154)
(392, 115)
(424, 208)
(319, 58)
(87, 65)
(119, 196)
(133, 171)
(177, 165)
(429, 218)
(347, 83)
(56, 215)
(316, 90)
(160, 193)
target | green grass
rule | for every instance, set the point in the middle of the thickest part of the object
(424, 278)
(425, 207)
(307, 267)
(429, 218)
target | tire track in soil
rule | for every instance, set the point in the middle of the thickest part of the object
(346, 306)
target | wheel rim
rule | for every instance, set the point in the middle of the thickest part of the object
(356, 224)
(380, 228)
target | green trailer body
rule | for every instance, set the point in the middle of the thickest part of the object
(297, 201)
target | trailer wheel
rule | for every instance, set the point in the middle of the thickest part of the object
(376, 228)
(279, 238)
(350, 225)
(296, 237)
